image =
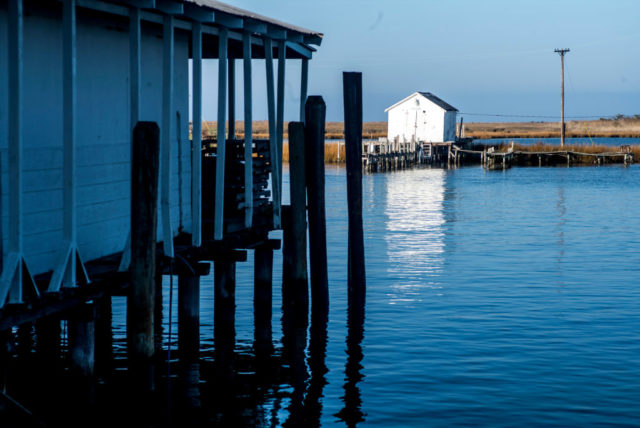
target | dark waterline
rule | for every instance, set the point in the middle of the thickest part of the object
(494, 298)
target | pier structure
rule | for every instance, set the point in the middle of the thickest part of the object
(105, 188)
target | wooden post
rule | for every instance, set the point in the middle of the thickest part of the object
(144, 217)
(167, 131)
(48, 345)
(224, 330)
(218, 221)
(189, 317)
(262, 299)
(232, 98)
(82, 343)
(304, 78)
(315, 111)
(104, 336)
(196, 149)
(248, 131)
(352, 86)
(273, 136)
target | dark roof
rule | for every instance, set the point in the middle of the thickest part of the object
(438, 101)
(235, 11)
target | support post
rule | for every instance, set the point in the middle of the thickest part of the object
(248, 131)
(104, 336)
(144, 215)
(304, 78)
(196, 135)
(315, 112)
(273, 140)
(82, 343)
(15, 273)
(218, 221)
(70, 270)
(294, 253)
(282, 48)
(189, 317)
(167, 120)
(561, 52)
(232, 98)
(352, 84)
(262, 300)
(224, 330)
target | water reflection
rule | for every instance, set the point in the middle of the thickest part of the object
(415, 232)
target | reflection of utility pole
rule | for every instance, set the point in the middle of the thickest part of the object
(561, 52)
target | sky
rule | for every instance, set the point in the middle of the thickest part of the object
(493, 60)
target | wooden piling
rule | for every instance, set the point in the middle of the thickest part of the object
(315, 112)
(262, 299)
(81, 327)
(224, 330)
(48, 344)
(144, 208)
(188, 317)
(352, 86)
(104, 336)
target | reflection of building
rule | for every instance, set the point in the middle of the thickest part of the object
(422, 117)
(415, 230)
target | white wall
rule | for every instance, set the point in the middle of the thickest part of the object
(450, 126)
(103, 157)
(417, 116)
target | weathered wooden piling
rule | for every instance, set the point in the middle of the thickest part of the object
(48, 344)
(104, 336)
(295, 290)
(81, 328)
(188, 317)
(352, 86)
(262, 298)
(141, 299)
(315, 112)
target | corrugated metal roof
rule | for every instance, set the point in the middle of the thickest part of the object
(428, 95)
(438, 101)
(235, 11)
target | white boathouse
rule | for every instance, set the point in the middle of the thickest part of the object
(421, 117)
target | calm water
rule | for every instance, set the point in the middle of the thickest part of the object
(503, 298)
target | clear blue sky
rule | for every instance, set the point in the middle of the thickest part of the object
(483, 57)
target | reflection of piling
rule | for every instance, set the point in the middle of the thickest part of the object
(144, 204)
(318, 368)
(352, 85)
(315, 111)
(104, 336)
(224, 331)
(188, 317)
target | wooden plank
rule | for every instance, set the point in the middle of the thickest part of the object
(196, 152)
(167, 120)
(248, 131)
(273, 141)
(218, 220)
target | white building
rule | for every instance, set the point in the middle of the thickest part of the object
(422, 117)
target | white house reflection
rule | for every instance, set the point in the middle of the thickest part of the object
(415, 233)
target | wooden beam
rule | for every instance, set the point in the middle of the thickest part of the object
(304, 51)
(141, 4)
(304, 78)
(169, 7)
(254, 26)
(311, 39)
(248, 131)
(228, 21)
(196, 150)
(276, 33)
(167, 120)
(295, 37)
(218, 219)
(273, 140)
(198, 14)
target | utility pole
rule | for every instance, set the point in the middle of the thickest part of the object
(561, 52)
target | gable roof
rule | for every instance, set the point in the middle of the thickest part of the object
(429, 96)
